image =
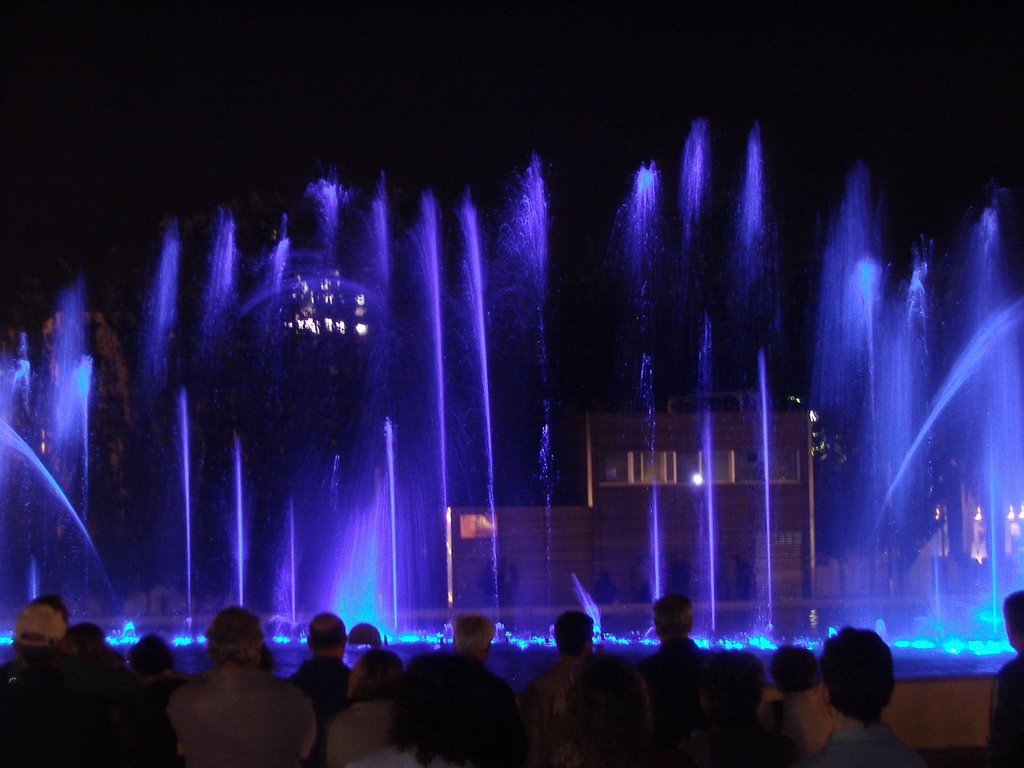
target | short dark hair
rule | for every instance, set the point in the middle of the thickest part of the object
(56, 602)
(573, 629)
(731, 684)
(673, 615)
(793, 668)
(234, 637)
(1013, 612)
(434, 708)
(150, 656)
(326, 631)
(857, 669)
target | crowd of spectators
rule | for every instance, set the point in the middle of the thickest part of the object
(68, 699)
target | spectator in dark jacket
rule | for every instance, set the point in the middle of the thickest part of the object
(673, 673)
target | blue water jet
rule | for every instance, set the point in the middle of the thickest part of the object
(161, 311)
(477, 301)
(695, 180)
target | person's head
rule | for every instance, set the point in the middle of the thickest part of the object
(56, 602)
(574, 634)
(1013, 614)
(39, 634)
(473, 635)
(374, 676)
(151, 656)
(673, 617)
(793, 669)
(365, 634)
(433, 713)
(608, 714)
(327, 635)
(731, 685)
(234, 638)
(86, 641)
(856, 667)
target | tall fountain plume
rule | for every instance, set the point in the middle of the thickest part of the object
(221, 290)
(754, 302)
(161, 312)
(427, 236)
(279, 258)
(389, 437)
(695, 180)
(764, 406)
(65, 440)
(526, 244)
(240, 540)
(186, 493)
(708, 522)
(477, 303)
(640, 232)
(329, 197)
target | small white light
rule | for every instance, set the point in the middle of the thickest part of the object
(361, 329)
(697, 478)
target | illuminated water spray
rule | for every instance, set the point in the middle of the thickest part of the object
(12, 440)
(161, 311)
(428, 238)
(186, 491)
(239, 522)
(707, 478)
(291, 558)
(694, 180)
(477, 300)
(389, 444)
(762, 370)
(653, 513)
(221, 291)
(528, 242)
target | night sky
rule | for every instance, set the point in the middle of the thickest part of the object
(113, 119)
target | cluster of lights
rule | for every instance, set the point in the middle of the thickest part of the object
(326, 293)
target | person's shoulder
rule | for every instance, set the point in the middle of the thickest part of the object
(1013, 669)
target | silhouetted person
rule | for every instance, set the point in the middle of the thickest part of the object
(324, 678)
(673, 673)
(500, 740)
(856, 668)
(365, 634)
(543, 702)
(238, 714)
(732, 684)
(365, 726)
(608, 720)
(1006, 732)
(115, 685)
(437, 719)
(42, 722)
(151, 660)
(800, 714)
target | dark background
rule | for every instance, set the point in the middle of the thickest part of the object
(115, 116)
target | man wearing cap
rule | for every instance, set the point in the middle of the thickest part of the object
(41, 721)
(238, 714)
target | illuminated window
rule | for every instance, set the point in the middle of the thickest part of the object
(722, 466)
(474, 527)
(653, 467)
